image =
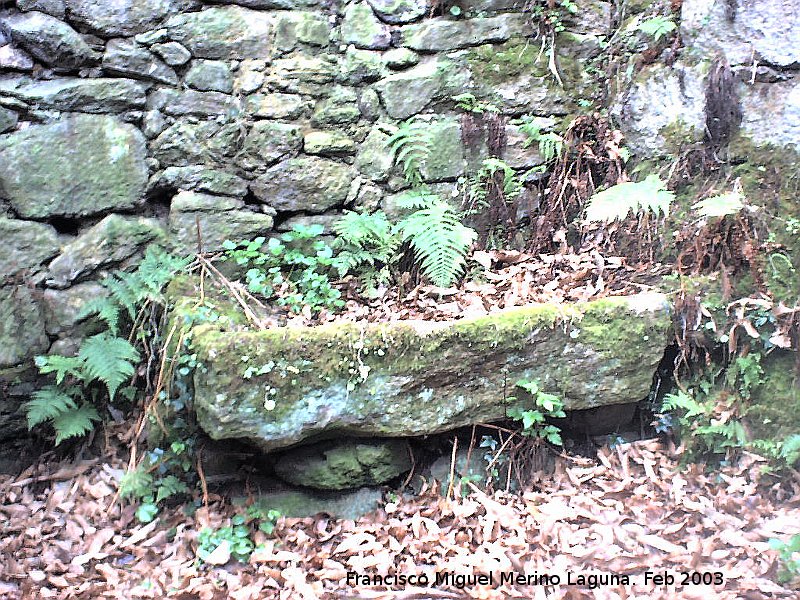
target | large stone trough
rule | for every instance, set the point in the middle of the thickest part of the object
(279, 387)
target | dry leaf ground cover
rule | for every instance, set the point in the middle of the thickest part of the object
(631, 511)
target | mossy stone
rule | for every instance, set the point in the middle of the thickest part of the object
(407, 378)
(774, 411)
(344, 465)
(80, 165)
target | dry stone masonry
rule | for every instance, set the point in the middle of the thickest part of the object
(130, 122)
(126, 122)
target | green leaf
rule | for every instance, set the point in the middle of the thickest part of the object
(657, 26)
(47, 404)
(108, 359)
(146, 512)
(75, 422)
(410, 146)
(440, 241)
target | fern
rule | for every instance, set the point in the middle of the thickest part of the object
(721, 205)
(410, 147)
(618, 201)
(60, 365)
(170, 486)
(108, 359)
(416, 199)
(364, 243)
(75, 423)
(127, 292)
(136, 483)
(790, 449)
(439, 239)
(47, 404)
(511, 186)
(104, 357)
(551, 145)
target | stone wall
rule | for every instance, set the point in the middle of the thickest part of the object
(758, 42)
(129, 122)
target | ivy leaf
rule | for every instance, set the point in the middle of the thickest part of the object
(146, 512)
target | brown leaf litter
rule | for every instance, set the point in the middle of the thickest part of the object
(631, 511)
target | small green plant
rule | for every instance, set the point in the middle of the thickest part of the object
(551, 145)
(615, 203)
(438, 238)
(707, 425)
(784, 454)
(494, 461)
(432, 229)
(103, 360)
(657, 27)
(789, 553)
(237, 537)
(469, 103)
(161, 475)
(552, 15)
(367, 244)
(292, 268)
(134, 292)
(534, 420)
(709, 415)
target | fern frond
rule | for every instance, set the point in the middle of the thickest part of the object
(106, 309)
(47, 404)
(410, 146)
(361, 230)
(416, 199)
(551, 145)
(60, 365)
(158, 267)
(618, 201)
(511, 186)
(720, 206)
(128, 291)
(170, 486)
(364, 240)
(108, 359)
(125, 291)
(439, 240)
(75, 422)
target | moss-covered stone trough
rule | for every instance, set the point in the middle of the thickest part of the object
(279, 387)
